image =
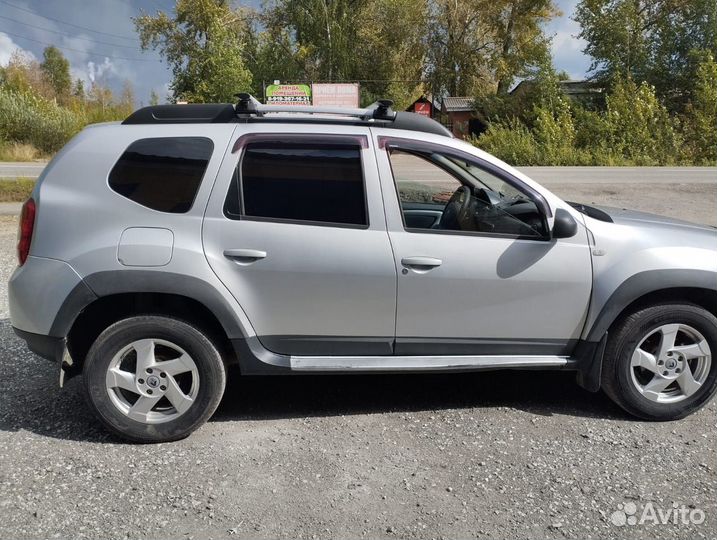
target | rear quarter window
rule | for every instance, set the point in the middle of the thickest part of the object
(162, 173)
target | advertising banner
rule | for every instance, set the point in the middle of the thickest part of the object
(422, 108)
(288, 94)
(335, 94)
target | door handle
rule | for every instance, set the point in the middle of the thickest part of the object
(421, 264)
(244, 256)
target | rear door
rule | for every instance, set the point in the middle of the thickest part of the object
(295, 229)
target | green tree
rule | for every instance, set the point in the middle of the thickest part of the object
(701, 114)
(126, 101)
(273, 57)
(555, 133)
(481, 46)
(379, 42)
(204, 44)
(320, 35)
(153, 97)
(56, 69)
(78, 89)
(391, 50)
(648, 40)
(100, 96)
(24, 74)
(542, 91)
(639, 126)
(522, 46)
(459, 46)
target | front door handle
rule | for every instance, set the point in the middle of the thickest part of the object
(244, 256)
(421, 264)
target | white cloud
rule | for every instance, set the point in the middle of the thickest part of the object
(8, 47)
(567, 48)
(97, 71)
(92, 56)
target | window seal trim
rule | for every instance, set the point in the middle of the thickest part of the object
(385, 142)
(317, 138)
(507, 236)
(289, 221)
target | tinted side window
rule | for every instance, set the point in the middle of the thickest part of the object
(162, 173)
(303, 182)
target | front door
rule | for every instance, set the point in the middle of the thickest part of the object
(295, 230)
(478, 274)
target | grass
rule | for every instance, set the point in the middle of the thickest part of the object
(14, 151)
(16, 190)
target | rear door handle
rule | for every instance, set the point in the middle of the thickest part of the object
(421, 264)
(244, 256)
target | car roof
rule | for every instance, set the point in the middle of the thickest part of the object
(221, 113)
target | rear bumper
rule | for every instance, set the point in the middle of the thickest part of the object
(48, 347)
(38, 293)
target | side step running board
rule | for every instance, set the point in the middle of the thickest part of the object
(423, 363)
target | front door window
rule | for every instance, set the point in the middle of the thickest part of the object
(445, 193)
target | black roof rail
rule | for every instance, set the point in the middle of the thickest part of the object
(195, 113)
(248, 109)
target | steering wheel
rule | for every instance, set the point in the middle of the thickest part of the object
(457, 213)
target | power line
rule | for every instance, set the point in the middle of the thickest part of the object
(72, 37)
(156, 3)
(65, 22)
(81, 51)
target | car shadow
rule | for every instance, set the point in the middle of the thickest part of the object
(543, 393)
(31, 400)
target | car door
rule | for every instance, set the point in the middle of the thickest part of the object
(493, 283)
(295, 230)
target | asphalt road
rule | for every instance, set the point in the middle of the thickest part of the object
(544, 175)
(21, 169)
(617, 175)
(508, 455)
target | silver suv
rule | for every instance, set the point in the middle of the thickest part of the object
(157, 252)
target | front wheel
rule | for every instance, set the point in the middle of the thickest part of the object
(153, 378)
(659, 361)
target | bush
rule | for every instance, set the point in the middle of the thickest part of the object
(26, 118)
(554, 133)
(16, 190)
(512, 142)
(638, 126)
(635, 129)
(700, 120)
(14, 151)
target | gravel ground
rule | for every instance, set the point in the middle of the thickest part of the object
(491, 455)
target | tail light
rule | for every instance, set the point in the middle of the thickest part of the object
(27, 224)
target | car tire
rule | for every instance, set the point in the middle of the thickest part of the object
(153, 378)
(650, 379)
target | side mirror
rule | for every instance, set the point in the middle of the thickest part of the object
(565, 225)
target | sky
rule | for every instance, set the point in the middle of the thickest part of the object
(99, 40)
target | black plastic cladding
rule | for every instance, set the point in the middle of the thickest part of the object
(224, 113)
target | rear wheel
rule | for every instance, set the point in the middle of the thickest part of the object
(659, 361)
(153, 379)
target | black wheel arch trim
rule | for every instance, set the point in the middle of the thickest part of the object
(643, 283)
(127, 281)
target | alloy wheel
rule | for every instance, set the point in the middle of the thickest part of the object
(670, 363)
(152, 381)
